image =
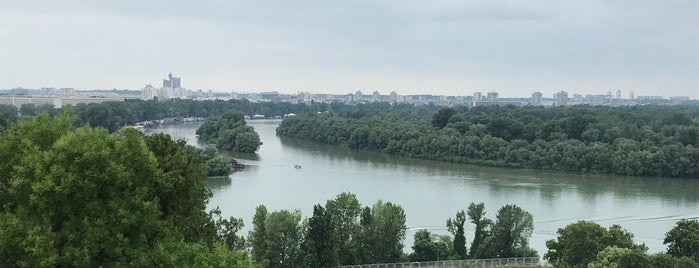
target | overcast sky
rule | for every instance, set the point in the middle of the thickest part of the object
(448, 47)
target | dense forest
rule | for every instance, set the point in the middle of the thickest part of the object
(229, 132)
(89, 198)
(629, 141)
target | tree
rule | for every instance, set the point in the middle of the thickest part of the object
(229, 132)
(343, 212)
(8, 114)
(247, 142)
(476, 213)
(429, 247)
(664, 260)
(183, 199)
(84, 197)
(621, 258)
(683, 239)
(579, 243)
(218, 167)
(441, 118)
(365, 244)
(256, 236)
(282, 237)
(511, 232)
(317, 247)
(456, 228)
(389, 231)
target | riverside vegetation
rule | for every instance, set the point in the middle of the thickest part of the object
(80, 196)
(630, 141)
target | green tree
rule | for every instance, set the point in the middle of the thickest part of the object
(389, 226)
(441, 118)
(256, 236)
(476, 213)
(616, 257)
(683, 239)
(247, 142)
(317, 247)
(8, 114)
(344, 212)
(429, 247)
(85, 197)
(184, 196)
(456, 228)
(664, 260)
(218, 167)
(282, 237)
(579, 243)
(511, 232)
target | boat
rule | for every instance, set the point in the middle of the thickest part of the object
(297, 166)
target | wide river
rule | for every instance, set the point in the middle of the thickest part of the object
(430, 192)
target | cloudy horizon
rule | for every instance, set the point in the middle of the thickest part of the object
(411, 47)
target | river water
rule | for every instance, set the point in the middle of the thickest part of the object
(431, 191)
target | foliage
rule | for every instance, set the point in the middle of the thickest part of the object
(113, 115)
(84, 197)
(579, 243)
(216, 165)
(511, 232)
(476, 213)
(318, 247)
(630, 141)
(429, 247)
(8, 115)
(256, 237)
(344, 211)
(388, 225)
(616, 257)
(282, 237)
(683, 239)
(456, 228)
(229, 132)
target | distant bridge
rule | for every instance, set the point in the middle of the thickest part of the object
(475, 263)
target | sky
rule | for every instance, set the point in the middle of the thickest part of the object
(441, 47)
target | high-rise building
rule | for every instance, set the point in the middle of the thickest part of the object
(618, 94)
(376, 96)
(561, 98)
(492, 96)
(477, 96)
(631, 97)
(537, 98)
(393, 97)
(148, 92)
(358, 96)
(171, 81)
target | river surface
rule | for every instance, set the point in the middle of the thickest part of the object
(430, 192)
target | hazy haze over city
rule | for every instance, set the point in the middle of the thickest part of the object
(412, 47)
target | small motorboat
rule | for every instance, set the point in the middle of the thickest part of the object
(297, 166)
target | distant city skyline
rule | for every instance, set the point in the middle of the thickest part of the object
(339, 47)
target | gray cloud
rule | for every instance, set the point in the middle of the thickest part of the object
(450, 47)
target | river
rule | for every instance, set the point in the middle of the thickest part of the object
(431, 191)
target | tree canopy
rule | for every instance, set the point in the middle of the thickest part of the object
(631, 141)
(229, 132)
(85, 197)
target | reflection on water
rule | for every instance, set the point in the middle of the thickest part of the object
(218, 183)
(431, 191)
